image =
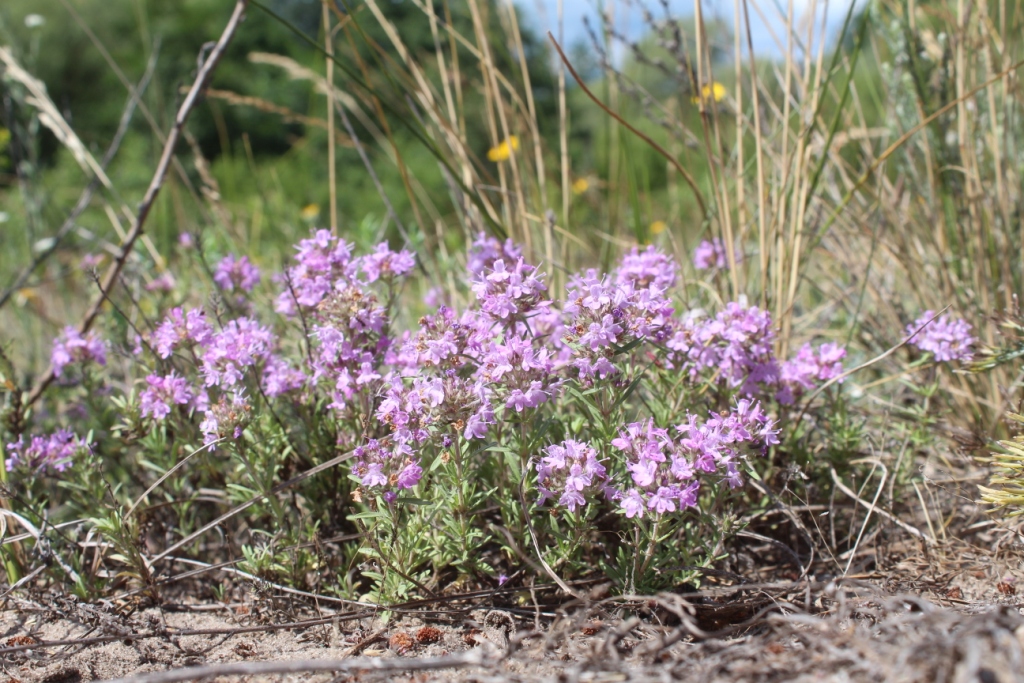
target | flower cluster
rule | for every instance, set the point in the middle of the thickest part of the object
(350, 343)
(809, 367)
(236, 274)
(226, 419)
(712, 254)
(520, 371)
(510, 292)
(603, 313)
(239, 345)
(946, 338)
(569, 471)
(279, 377)
(73, 347)
(485, 250)
(162, 394)
(378, 467)
(664, 471)
(181, 328)
(54, 452)
(736, 345)
(386, 264)
(323, 261)
(458, 377)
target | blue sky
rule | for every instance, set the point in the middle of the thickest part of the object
(628, 19)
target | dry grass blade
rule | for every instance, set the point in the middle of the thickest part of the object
(646, 138)
(51, 117)
(86, 196)
(871, 507)
(111, 276)
(249, 503)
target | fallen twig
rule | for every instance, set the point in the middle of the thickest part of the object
(474, 658)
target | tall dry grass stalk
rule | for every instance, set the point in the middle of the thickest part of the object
(853, 186)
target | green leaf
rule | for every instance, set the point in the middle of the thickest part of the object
(413, 501)
(367, 515)
(625, 348)
(631, 388)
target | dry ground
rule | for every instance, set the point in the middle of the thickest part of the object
(904, 627)
(922, 591)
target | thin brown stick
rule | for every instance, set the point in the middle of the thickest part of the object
(473, 658)
(654, 145)
(205, 72)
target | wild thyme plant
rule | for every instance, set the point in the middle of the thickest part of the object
(600, 428)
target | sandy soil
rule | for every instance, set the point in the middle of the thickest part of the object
(967, 628)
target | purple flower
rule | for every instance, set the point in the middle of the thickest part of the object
(645, 268)
(180, 328)
(735, 345)
(663, 500)
(531, 398)
(387, 264)
(385, 469)
(164, 392)
(409, 476)
(485, 250)
(54, 452)
(602, 312)
(807, 368)
(236, 273)
(279, 377)
(163, 283)
(601, 334)
(712, 253)
(323, 263)
(663, 472)
(569, 471)
(510, 295)
(633, 504)
(71, 347)
(225, 419)
(946, 338)
(373, 475)
(239, 345)
(479, 422)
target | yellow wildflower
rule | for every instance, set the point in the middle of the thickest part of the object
(580, 185)
(310, 212)
(658, 227)
(503, 151)
(712, 91)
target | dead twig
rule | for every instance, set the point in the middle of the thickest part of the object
(202, 77)
(473, 658)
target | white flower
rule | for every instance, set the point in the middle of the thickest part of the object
(34, 20)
